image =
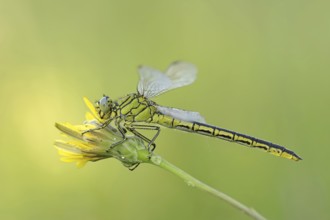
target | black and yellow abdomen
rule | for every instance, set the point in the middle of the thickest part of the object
(213, 131)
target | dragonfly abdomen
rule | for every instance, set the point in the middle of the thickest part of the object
(213, 131)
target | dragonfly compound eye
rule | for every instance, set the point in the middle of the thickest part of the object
(104, 104)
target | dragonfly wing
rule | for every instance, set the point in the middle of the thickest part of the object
(181, 114)
(153, 82)
(181, 74)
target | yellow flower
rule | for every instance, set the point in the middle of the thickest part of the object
(97, 144)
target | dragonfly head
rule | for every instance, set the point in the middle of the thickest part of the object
(104, 107)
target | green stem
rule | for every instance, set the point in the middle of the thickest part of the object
(191, 181)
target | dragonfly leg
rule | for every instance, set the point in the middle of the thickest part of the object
(105, 124)
(151, 142)
(134, 166)
(133, 128)
(122, 131)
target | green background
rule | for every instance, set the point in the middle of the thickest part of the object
(264, 70)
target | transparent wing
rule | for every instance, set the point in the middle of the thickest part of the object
(153, 82)
(181, 114)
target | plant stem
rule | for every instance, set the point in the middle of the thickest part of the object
(191, 181)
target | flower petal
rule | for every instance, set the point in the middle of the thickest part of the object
(91, 107)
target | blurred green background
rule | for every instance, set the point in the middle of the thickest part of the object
(264, 70)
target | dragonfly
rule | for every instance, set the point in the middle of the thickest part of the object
(136, 111)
